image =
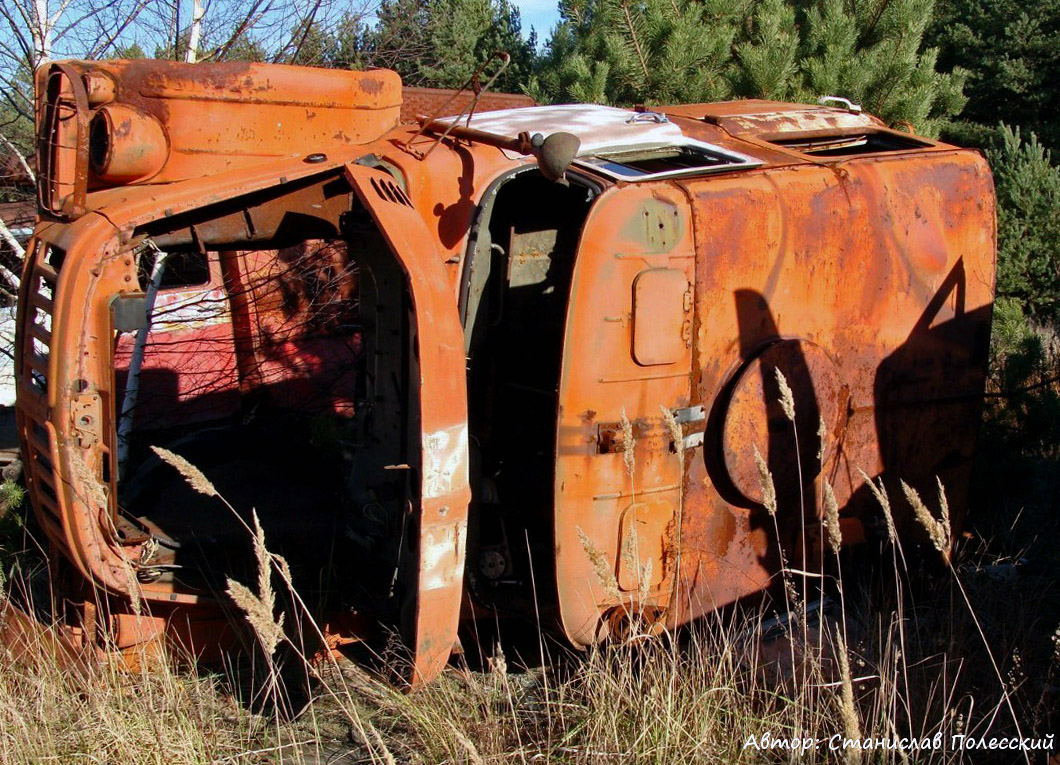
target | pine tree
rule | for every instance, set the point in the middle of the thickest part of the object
(1028, 196)
(441, 43)
(1012, 50)
(624, 52)
(659, 51)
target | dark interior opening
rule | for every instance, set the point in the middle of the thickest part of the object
(850, 144)
(518, 290)
(282, 374)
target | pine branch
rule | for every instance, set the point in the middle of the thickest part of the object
(636, 41)
(866, 34)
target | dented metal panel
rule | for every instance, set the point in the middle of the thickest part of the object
(869, 289)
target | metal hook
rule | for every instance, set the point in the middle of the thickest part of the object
(648, 117)
(846, 103)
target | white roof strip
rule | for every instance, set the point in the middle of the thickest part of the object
(612, 140)
(599, 128)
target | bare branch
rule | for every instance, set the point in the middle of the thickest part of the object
(21, 159)
(5, 273)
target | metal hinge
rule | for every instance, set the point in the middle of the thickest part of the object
(690, 414)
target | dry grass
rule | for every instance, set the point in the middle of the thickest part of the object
(876, 667)
(105, 713)
(696, 698)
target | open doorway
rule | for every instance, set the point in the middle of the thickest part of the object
(283, 375)
(515, 292)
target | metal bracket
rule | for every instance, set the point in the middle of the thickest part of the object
(86, 412)
(693, 440)
(690, 414)
(648, 117)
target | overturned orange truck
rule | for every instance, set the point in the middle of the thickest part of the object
(520, 364)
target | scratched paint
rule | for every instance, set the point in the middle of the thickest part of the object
(444, 460)
(442, 556)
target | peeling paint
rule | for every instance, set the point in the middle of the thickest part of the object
(444, 461)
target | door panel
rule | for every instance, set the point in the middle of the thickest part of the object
(440, 519)
(625, 356)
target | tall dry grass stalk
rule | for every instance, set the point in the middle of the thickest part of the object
(602, 568)
(848, 712)
(629, 445)
(880, 493)
(196, 478)
(938, 530)
(831, 519)
(677, 435)
(765, 477)
(259, 607)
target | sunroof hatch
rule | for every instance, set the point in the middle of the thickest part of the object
(652, 162)
(850, 143)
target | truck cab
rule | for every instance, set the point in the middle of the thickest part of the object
(452, 383)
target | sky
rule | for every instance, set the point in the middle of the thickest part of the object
(542, 15)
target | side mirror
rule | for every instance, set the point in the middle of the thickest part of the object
(555, 153)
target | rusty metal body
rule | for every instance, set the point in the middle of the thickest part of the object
(509, 336)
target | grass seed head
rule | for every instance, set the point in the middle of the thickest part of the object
(259, 616)
(787, 398)
(938, 531)
(831, 519)
(195, 477)
(676, 434)
(880, 493)
(601, 566)
(944, 506)
(848, 713)
(769, 490)
(260, 608)
(628, 444)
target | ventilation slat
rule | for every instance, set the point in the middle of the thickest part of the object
(31, 401)
(38, 300)
(49, 505)
(41, 334)
(37, 362)
(39, 443)
(47, 273)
